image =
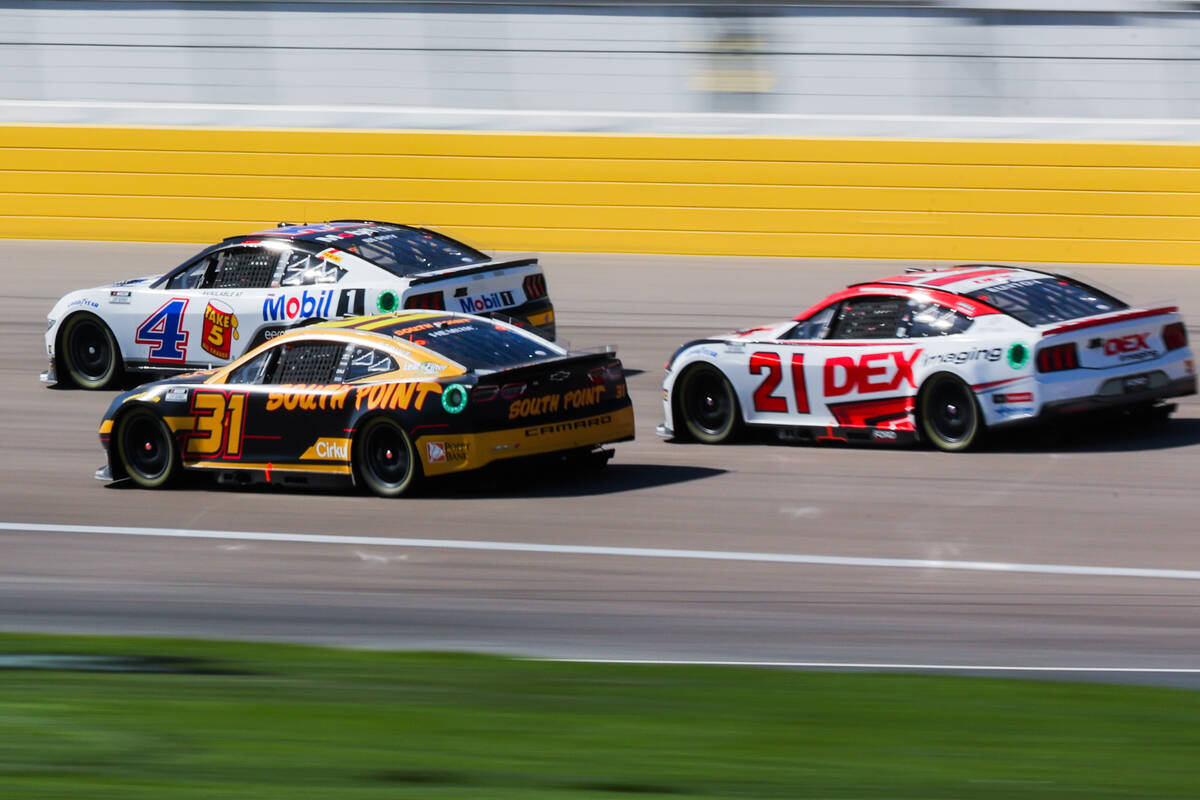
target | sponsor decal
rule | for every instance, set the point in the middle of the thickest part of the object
(331, 254)
(387, 302)
(83, 302)
(443, 452)
(220, 329)
(550, 403)
(1013, 397)
(873, 372)
(351, 303)
(454, 398)
(133, 281)
(291, 307)
(122, 296)
(308, 397)
(991, 354)
(887, 436)
(328, 449)
(1133, 347)
(1015, 411)
(573, 425)
(394, 395)
(486, 302)
(700, 350)
(1018, 355)
(177, 394)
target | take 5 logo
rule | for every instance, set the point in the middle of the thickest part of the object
(888, 371)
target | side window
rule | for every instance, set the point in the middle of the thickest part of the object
(243, 268)
(870, 317)
(306, 362)
(815, 327)
(194, 277)
(931, 319)
(365, 362)
(305, 269)
(256, 370)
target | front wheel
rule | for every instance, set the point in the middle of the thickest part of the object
(89, 353)
(949, 414)
(385, 460)
(707, 404)
(146, 449)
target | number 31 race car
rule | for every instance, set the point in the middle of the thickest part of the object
(381, 401)
(938, 356)
(239, 293)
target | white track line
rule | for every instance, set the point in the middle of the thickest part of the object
(856, 665)
(627, 552)
(427, 111)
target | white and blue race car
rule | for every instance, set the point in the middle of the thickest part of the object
(245, 290)
(938, 356)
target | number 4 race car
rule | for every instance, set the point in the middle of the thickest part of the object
(381, 401)
(938, 356)
(237, 294)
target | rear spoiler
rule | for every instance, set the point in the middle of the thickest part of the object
(578, 358)
(457, 272)
(1126, 316)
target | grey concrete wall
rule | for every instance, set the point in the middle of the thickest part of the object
(1115, 70)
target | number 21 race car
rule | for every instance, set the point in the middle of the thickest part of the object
(938, 356)
(237, 294)
(381, 401)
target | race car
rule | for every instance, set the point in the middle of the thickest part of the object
(382, 401)
(938, 356)
(235, 295)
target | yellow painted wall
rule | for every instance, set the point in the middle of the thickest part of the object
(846, 198)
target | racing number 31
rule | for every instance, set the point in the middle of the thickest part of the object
(219, 424)
(764, 397)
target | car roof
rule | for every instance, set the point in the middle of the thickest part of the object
(311, 232)
(963, 278)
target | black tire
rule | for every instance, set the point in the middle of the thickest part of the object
(88, 352)
(706, 405)
(948, 414)
(146, 449)
(385, 460)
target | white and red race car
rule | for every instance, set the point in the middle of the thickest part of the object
(937, 356)
(233, 296)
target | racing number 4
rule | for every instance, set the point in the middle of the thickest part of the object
(764, 397)
(163, 331)
(219, 424)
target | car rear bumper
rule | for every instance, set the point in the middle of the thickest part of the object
(1158, 387)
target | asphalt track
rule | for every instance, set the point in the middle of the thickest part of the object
(1075, 551)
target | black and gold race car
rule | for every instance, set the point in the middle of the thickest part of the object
(380, 401)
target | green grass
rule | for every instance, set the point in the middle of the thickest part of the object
(300, 722)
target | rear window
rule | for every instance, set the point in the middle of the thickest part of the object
(404, 251)
(1040, 301)
(477, 344)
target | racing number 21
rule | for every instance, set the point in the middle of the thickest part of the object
(219, 424)
(764, 397)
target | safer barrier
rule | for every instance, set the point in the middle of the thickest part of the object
(856, 198)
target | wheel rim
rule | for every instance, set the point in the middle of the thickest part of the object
(951, 412)
(89, 350)
(707, 402)
(387, 457)
(146, 447)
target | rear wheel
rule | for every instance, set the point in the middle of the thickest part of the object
(385, 460)
(146, 449)
(949, 415)
(707, 404)
(89, 353)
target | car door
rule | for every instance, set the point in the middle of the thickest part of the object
(851, 364)
(195, 316)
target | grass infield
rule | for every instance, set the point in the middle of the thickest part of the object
(213, 719)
